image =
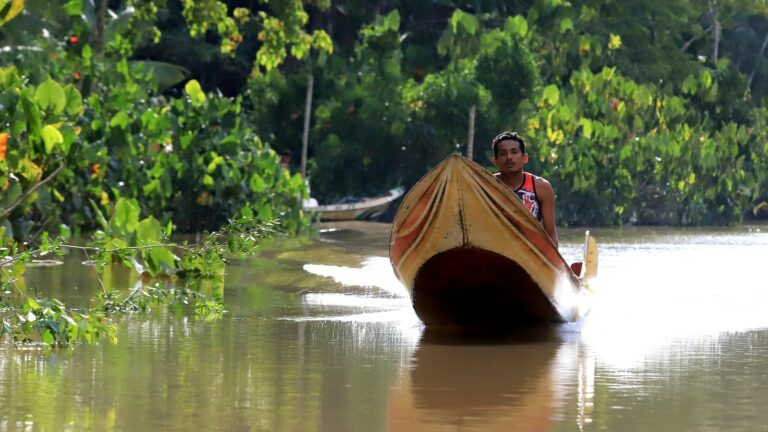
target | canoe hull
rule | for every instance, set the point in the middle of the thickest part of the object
(338, 213)
(474, 287)
(368, 209)
(471, 254)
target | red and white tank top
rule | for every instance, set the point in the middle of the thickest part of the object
(527, 194)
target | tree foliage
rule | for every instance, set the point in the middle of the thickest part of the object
(394, 83)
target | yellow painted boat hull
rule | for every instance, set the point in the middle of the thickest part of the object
(471, 254)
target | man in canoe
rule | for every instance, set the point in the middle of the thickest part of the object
(535, 192)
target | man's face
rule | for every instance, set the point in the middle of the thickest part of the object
(509, 158)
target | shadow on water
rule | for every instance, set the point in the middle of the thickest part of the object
(553, 333)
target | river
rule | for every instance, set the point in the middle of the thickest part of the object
(320, 336)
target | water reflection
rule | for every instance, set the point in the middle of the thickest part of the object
(682, 288)
(375, 272)
(472, 383)
(384, 298)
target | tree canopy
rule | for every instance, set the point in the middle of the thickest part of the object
(645, 112)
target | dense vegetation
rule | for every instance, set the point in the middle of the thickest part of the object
(635, 114)
(84, 124)
(92, 140)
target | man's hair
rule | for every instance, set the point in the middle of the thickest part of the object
(507, 135)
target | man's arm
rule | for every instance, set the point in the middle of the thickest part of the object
(547, 200)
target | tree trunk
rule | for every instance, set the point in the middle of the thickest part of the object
(715, 31)
(98, 30)
(757, 61)
(305, 136)
(471, 132)
(690, 41)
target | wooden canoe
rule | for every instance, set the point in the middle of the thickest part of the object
(365, 209)
(471, 254)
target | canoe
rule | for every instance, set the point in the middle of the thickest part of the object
(471, 254)
(362, 209)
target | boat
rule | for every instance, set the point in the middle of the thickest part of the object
(356, 208)
(471, 254)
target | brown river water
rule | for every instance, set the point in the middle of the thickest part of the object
(320, 336)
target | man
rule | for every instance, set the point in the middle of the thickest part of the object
(536, 193)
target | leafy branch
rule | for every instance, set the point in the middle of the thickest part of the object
(5, 212)
(199, 267)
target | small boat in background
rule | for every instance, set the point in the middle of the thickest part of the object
(356, 208)
(471, 254)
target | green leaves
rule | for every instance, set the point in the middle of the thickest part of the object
(120, 120)
(689, 85)
(216, 160)
(125, 218)
(149, 232)
(30, 305)
(586, 127)
(32, 114)
(50, 96)
(73, 7)
(9, 78)
(460, 21)
(511, 89)
(614, 42)
(460, 38)
(392, 20)
(629, 144)
(126, 230)
(550, 95)
(31, 319)
(159, 259)
(257, 183)
(36, 123)
(51, 138)
(195, 92)
(163, 74)
(517, 25)
(74, 106)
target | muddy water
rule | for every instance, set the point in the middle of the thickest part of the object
(320, 336)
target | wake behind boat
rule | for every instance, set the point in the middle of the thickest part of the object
(471, 254)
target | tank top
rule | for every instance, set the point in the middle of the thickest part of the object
(527, 194)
